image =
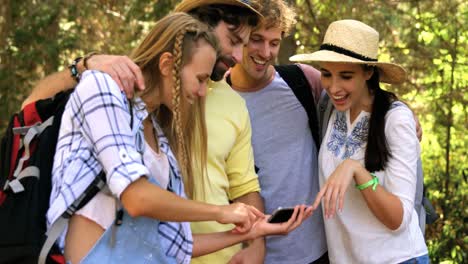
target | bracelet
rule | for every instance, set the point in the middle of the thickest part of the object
(75, 74)
(374, 182)
(87, 57)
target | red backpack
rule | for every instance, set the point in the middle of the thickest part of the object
(26, 159)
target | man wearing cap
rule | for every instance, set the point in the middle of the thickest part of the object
(284, 149)
(230, 169)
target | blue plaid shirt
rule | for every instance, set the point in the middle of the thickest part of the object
(96, 135)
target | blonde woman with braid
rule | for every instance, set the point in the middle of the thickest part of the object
(146, 164)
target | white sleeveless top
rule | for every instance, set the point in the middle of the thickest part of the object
(102, 208)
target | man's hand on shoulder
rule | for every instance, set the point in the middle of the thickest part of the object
(122, 69)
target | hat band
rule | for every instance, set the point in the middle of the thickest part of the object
(346, 52)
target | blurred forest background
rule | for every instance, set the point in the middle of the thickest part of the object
(39, 37)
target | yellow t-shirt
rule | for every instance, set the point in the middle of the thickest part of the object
(231, 172)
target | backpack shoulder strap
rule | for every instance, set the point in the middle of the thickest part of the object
(60, 224)
(325, 108)
(97, 184)
(297, 81)
(6, 152)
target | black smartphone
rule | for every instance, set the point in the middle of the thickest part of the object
(281, 215)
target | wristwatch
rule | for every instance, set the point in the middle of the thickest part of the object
(75, 74)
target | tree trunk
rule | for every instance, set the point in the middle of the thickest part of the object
(5, 66)
(450, 111)
(52, 31)
(287, 49)
(5, 22)
(288, 44)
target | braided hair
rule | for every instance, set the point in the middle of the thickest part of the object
(184, 125)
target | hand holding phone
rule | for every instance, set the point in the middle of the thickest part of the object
(281, 215)
(281, 222)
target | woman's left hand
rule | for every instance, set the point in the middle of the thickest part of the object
(334, 189)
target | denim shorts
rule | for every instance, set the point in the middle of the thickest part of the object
(137, 240)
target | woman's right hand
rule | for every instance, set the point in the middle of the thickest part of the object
(239, 214)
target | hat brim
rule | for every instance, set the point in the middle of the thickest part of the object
(389, 72)
(187, 6)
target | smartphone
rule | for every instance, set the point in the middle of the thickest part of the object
(281, 215)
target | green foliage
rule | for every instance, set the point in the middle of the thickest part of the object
(41, 37)
(428, 37)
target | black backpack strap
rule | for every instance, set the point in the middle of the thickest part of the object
(296, 80)
(130, 106)
(5, 152)
(325, 108)
(60, 224)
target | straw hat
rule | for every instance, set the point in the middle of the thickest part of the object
(352, 41)
(188, 5)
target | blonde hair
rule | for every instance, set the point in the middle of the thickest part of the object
(277, 14)
(178, 34)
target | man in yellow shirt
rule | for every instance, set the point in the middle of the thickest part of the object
(230, 169)
(231, 175)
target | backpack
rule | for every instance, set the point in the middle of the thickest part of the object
(294, 76)
(422, 205)
(26, 159)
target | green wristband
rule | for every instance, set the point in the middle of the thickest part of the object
(374, 182)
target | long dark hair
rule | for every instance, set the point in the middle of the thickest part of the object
(377, 151)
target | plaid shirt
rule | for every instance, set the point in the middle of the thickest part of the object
(95, 135)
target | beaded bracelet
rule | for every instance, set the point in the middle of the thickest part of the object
(374, 182)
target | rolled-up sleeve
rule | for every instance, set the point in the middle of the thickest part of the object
(102, 112)
(400, 130)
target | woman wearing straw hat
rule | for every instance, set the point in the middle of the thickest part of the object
(367, 162)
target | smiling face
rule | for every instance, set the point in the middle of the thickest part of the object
(261, 52)
(346, 85)
(232, 41)
(194, 76)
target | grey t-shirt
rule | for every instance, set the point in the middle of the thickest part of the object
(286, 156)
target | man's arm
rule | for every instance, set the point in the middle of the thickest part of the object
(123, 70)
(244, 186)
(255, 251)
(50, 85)
(253, 199)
